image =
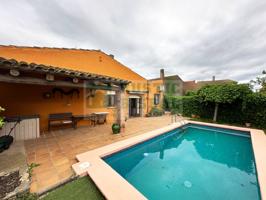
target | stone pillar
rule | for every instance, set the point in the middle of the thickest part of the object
(120, 99)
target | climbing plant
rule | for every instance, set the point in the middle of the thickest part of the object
(1, 118)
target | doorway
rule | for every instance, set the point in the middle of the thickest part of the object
(134, 106)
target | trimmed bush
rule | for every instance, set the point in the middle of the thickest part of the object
(186, 105)
(252, 109)
(156, 112)
(255, 109)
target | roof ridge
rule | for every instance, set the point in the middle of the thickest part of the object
(45, 47)
(216, 80)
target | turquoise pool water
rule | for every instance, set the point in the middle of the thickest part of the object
(194, 162)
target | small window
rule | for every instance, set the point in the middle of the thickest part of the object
(156, 99)
(110, 99)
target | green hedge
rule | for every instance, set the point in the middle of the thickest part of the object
(156, 112)
(187, 105)
(255, 109)
(252, 109)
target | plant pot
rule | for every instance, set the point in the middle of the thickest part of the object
(116, 128)
(5, 142)
(193, 116)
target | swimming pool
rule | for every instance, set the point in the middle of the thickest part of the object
(191, 162)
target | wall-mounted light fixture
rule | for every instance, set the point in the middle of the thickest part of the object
(49, 77)
(14, 72)
(75, 80)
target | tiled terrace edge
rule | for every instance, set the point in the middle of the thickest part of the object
(115, 187)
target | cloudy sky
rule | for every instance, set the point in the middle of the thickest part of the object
(195, 39)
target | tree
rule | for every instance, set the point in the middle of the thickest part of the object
(223, 93)
(261, 81)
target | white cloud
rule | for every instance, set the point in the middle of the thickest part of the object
(195, 39)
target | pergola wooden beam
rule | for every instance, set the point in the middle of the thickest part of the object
(39, 81)
(9, 64)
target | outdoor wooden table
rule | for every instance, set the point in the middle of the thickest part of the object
(88, 117)
(94, 118)
(100, 117)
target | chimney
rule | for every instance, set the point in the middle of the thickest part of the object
(112, 56)
(162, 74)
(213, 78)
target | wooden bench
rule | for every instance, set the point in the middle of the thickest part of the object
(60, 119)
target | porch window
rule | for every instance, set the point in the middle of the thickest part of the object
(156, 99)
(110, 98)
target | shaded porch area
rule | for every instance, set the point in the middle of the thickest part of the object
(56, 151)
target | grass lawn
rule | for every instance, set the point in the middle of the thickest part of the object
(81, 189)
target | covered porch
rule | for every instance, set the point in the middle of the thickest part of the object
(35, 91)
(30, 93)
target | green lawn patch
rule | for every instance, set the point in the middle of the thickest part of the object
(81, 189)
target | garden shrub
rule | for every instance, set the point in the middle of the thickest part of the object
(156, 112)
(251, 108)
(186, 105)
(255, 109)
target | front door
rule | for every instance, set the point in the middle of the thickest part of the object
(134, 107)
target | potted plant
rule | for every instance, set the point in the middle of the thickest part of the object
(1, 118)
(116, 128)
(6, 140)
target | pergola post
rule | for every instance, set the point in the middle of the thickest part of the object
(120, 97)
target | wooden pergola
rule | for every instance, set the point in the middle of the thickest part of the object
(13, 71)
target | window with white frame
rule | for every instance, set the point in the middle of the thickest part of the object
(156, 99)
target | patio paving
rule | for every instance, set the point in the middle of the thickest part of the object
(56, 151)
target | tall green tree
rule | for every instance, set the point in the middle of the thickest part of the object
(223, 93)
(261, 81)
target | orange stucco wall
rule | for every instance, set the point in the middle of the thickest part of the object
(20, 99)
(153, 89)
(25, 99)
(92, 61)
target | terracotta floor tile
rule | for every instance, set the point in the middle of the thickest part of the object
(66, 174)
(42, 153)
(30, 150)
(42, 169)
(57, 150)
(46, 174)
(49, 181)
(31, 159)
(42, 161)
(63, 167)
(61, 161)
(34, 187)
(33, 177)
(44, 166)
